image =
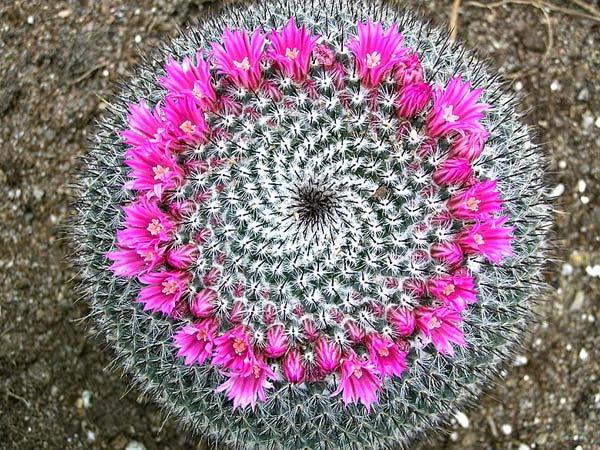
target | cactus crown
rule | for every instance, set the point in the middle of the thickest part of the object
(302, 227)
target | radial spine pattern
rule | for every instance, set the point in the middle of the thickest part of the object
(307, 228)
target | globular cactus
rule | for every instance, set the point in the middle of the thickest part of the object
(312, 224)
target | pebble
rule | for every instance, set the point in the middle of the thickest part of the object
(583, 354)
(524, 447)
(462, 419)
(555, 86)
(137, 39)
(583, 95)
(577, 301)
(593, 271)
(567, 270)
(520, 360)
(506, 429)
(585, 199)
(85, 401)
(581, 185)
(558, 190)
(135, 445)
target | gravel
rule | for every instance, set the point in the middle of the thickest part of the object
(59, 60)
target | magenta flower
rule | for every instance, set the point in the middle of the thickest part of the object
(291, 49)
(182, 257)
(293, 367)
(187, 119)
(409, 70)
(455, 109)
(328, 355)
(233, 350)
(129, 262)
(195, 342)
(163, 291)
(277, 342)
(448, 252)
(478, 202)
(441, 326)
(154, 170)
(144, 125)
(403, 320)
(146, 226)
(376, 51)
(189, 79)
(240, 57)
(412, 99)
(469, 145)
(456, 291)
(386, 355)
(203, 304)
(248, 385)
(489, 238)
(359, 381)
(453, 171)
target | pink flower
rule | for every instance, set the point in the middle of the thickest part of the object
(413, 98)
(455, 109)
(291, 49)
(469, 145)
(479, 201)
(182, 257)
(455, 291)
(240, 57)
(146, 226)
(409, 70)
(277, 342)
(359, 381)
(163, 291)
(154, 170)
(233, 350)
(386, 355)
(447, 252)
(453, 171)
(195, 341)
(144, 125)
(203, 304)
(129, 262)
(293, 367)
(489, 238)
(248, 385)
(328, 355)
(403, 320)
(189, 79)
(376, 52)
(442, 327)
(188, 124)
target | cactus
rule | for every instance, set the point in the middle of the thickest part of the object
(312, 224)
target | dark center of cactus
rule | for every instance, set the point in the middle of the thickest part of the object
(313, 205)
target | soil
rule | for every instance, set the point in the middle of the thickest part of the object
(59, 62)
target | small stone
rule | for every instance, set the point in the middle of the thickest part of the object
(593, 271)
(581, 185)
(555, 86)
(518, 86)
(30, 20)
(567, 270)
(137, 39)
(597, 122)
(520, 360)
(583, 354)
(583, 95)
(588, 120)
(91, 436)
(135, 445)
(558, 190)
(584, 199)
(577, 301)
(85, 401)
(462, 419)
(64, 13)
(524, 447)
(562, 164)
(454, 436)
(506, 429)
(38, 193)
